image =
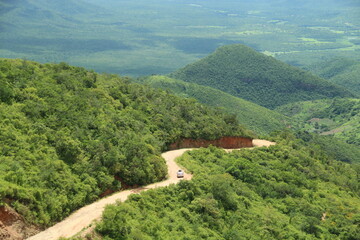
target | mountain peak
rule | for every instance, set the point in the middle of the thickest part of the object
(243, 72)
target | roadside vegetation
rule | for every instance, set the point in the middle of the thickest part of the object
(66, 132)
(288, 191)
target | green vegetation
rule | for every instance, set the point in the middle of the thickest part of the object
(145, 36)
(245, 73)
(65, 132)
(287, 191)
(342, 71)
(338, 117)
(254, 117)
(69, 135)
(334, 147)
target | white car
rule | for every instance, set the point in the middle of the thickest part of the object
(180, 174)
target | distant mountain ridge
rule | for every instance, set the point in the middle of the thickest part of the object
(66, 7)
(25, 15)
(242, 72)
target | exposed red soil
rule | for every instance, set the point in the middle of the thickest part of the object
(13, 226)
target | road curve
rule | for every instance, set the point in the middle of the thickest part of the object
(83, 217)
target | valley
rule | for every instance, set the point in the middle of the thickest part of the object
(108, 36)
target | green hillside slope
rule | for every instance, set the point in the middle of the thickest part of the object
(333, 146)
(245, 73)
(65, 132)
(349, 79)
(288, 191)
(259, 119)
(342, 71)
(338, 117)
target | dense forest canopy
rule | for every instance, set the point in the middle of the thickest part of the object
(287, 191)
(242, 72)
(65, 132)
(339, 117)
(342, 71)
(254, 117)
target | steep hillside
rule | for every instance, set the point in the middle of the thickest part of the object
(338, 117)
(333, 146)
(245, 73)
(342, 71)
(259, 119)
(288, 191)
(65, 132)
(349, 79)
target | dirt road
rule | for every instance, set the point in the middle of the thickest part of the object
(262, 143)
(83, 217)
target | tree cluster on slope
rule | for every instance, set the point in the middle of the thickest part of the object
(245, 73)
(287, 191)
(65, 132)
(254, 117)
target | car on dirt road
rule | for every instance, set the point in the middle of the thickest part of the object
(180, 173)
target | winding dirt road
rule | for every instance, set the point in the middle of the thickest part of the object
(83, 217)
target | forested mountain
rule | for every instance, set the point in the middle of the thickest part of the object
(245, 73)
(287, 191)
(70, 136)
(254, 117)
(65, 132)
(338, 117)
(342, 71)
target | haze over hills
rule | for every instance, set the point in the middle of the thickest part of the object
(62, 15)
(145, 37)
(66, 22)
(254, 117)
(245, 73)
(38, 8)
